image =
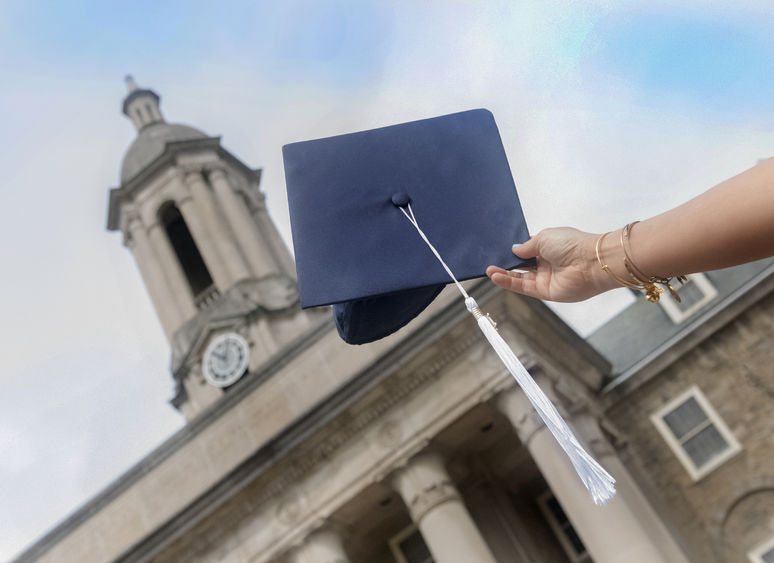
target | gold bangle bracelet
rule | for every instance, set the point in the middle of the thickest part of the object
(610, 272)
(639, 280)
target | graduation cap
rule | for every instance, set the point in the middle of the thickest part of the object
(383, 219)
(354, 249)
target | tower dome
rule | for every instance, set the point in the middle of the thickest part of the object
(141, 105)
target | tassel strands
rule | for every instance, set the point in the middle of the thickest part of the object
(600, 484)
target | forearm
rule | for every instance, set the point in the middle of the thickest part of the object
(730, 224)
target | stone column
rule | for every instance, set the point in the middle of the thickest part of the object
(438, 511)
(173, 272)
(204, 241)
(270, 234)
(228, 253)
(613, 533)
(161, 296)
(254, 247)
(321, 546)
(628, 490)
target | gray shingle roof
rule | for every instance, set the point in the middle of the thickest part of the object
(643, 327)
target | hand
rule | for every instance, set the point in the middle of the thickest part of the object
(567, 268)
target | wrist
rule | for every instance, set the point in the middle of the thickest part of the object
(648, 263)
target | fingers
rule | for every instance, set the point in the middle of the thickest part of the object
(518, 282)
(527, 250)
(523, 283)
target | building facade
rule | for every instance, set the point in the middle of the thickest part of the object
(419, 447)
(692, 395)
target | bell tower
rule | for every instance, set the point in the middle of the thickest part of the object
(218, 273)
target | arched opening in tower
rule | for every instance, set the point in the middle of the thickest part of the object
(185, 248)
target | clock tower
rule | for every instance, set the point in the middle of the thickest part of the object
(220, 277)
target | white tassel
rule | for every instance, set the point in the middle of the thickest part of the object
(599, 482)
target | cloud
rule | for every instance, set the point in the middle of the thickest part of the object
(84, 350)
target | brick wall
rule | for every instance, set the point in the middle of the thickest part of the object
(726, 513)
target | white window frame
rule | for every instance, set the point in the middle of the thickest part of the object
(756, 554)
(671, 307)
(559, 532)
(695, 472)
(394, 542)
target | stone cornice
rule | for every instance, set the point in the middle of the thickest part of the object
(601, 366)
(341, 430)
(164, 160)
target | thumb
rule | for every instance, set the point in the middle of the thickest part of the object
(527, 250)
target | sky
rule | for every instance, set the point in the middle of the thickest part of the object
(609, 112)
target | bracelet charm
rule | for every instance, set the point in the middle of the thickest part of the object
(639, 280)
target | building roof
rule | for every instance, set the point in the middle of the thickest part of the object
(642, 329)
(150, 144)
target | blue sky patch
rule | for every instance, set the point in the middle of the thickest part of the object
(714, 63)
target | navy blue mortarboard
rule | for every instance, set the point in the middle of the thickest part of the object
(353, 246)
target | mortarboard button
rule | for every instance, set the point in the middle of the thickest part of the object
(400, 199)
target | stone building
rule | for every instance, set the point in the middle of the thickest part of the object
(419, 447)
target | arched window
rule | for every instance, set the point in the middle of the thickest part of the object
(187, 253)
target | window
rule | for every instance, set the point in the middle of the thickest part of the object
(695, 432)
(187, 253)
(696, 292)
(764, 553)
(562, 527)
(408, 546)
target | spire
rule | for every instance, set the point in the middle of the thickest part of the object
(141, 105)
(130, 83)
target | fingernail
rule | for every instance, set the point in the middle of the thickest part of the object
(515, 246)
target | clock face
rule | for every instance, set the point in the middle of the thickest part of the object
(225, 360)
